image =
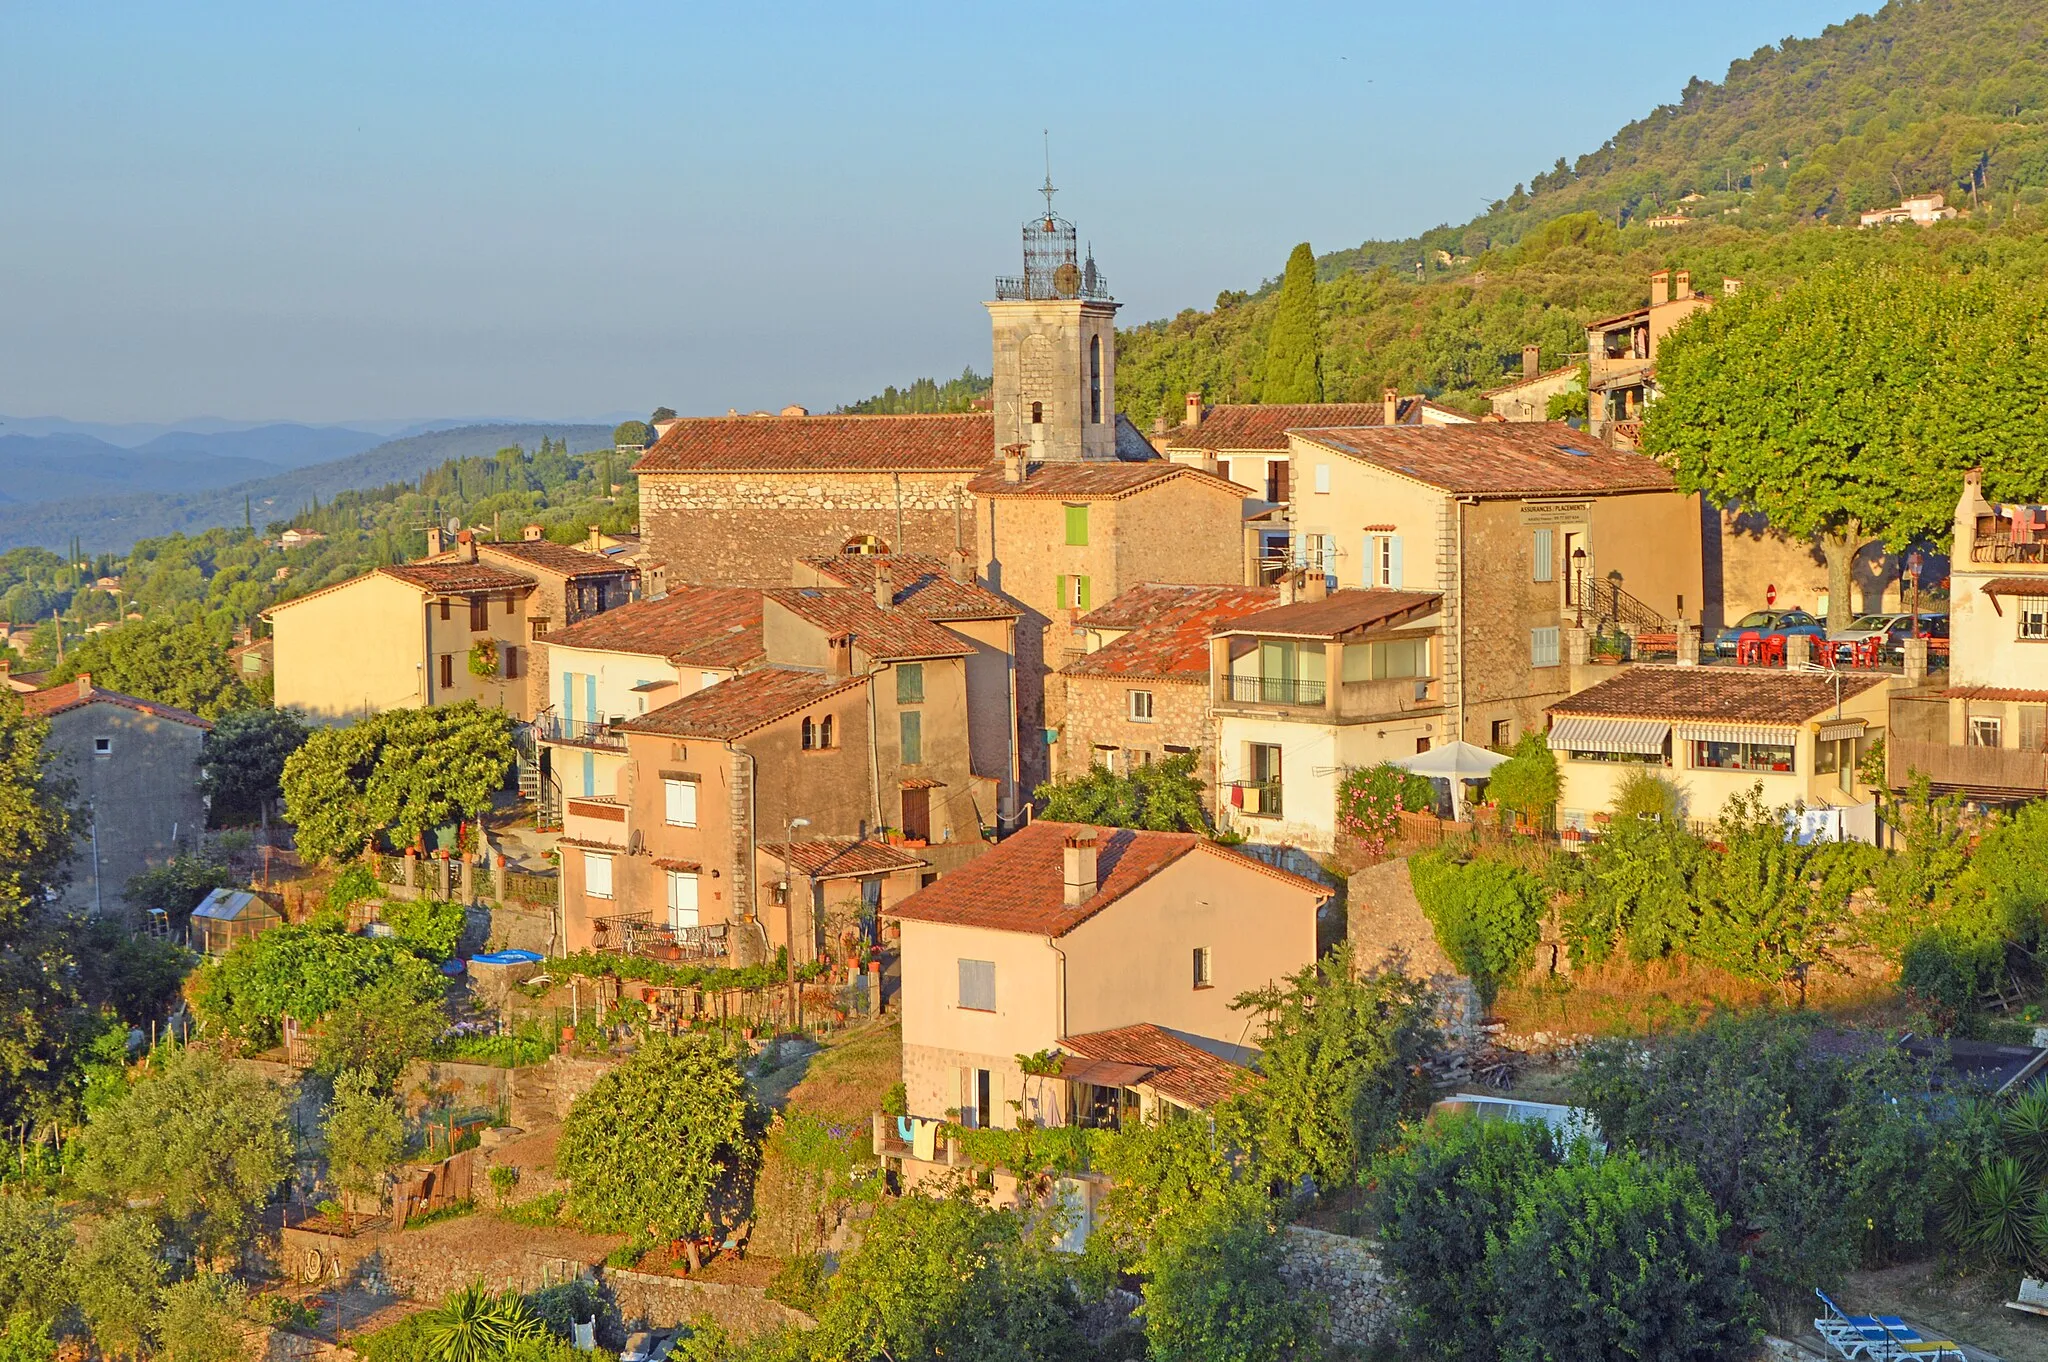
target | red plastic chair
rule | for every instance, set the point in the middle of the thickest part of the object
(1774, 651)
(1749, 647)
(1870, 652)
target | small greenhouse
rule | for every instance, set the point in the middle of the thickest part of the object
(227, 917)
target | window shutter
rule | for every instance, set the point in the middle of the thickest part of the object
(1322, 477)
(1394, 578)
(597, 875)
(1543, 647)
(1086, 604)
(1060, 590)
(590, 775)
(910, 733)
(1077, 526)
(1544, 557)
(978, 985)
(1366, 562)
(681, 798)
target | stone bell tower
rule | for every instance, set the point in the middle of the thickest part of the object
(1055, 349)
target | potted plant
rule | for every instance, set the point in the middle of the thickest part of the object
(1609, 649)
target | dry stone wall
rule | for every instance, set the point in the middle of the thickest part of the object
(1345, 1274)
(743, 529)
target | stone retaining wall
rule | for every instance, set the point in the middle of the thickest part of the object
(1345, 1274)
(647, 1301)
(543, 1093)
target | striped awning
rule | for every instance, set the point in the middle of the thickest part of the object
(1580, 733)
(1774, 735)
(1834, 730)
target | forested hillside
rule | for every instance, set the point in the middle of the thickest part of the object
(1947, 95)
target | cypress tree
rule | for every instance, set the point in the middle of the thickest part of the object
(1294, 345)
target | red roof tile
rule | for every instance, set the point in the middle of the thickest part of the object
(1184, 1072)
(559, 559)
(1170, 628)
(1102, 481)
(740, 444)
(1020, 885)
(1339, 614)
(1727, 694)
(1502, 459)
(885, 635)
(826, 858)
(749, 701)
(1526, 379)
(923, 586)
(2016, 586)
(68, 695)
(2025, 697)
(448, 578)
(1256, 425)
(703, 626)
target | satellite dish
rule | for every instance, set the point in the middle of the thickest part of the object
(454, 524)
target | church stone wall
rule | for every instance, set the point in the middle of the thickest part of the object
(743, 529)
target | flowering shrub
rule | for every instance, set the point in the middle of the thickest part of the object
(1370, 802)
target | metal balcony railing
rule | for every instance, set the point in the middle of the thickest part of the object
(585, 732)
(1274, 690)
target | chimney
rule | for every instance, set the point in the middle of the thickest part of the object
(1730, 287)
(1532, 360)
(531, 533)
(1392, 407)
(1315, 586)
(1290, 586)
(85, 685)
(1660, 288)
(1194, 412)
(962, 567)
(1079, 866)
(1159, 426)
(1682, 286)
(885, 585)
(1013, 463)
(840, 649)
(596, 539)
(465, 543)
(435, 543)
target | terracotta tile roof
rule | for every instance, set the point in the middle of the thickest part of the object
(1170, 628)
(825, 858)
(749, 701)
(69, 695)
(2025, 697)
(703, 626)
(592, 844)
(1102, 481)
(683, 867)
(1256, 425)
(2016, 586)
(743, 444)
(885, 635)
(559, 559)
(1635, 316)
(923, 586)
(1184, 1072)
(1527, 379)
(455, 577)
(1339, 614)
(1020, 885)
(1535, 458)
(1729, 694)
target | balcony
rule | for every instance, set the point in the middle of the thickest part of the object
(598, 733)
(1990, 773)
(1999, 548)
(1259, 798)
(638, 934)
(1309, 700)
(1274, 690)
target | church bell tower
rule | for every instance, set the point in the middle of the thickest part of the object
(1054, 349)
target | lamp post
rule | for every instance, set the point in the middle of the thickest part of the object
(789, 828)
(1913, 564)
(1579, 585)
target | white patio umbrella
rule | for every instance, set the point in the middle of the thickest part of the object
(1456, 762)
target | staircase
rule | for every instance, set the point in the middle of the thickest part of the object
(1607, 607)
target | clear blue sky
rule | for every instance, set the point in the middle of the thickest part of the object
(381, 210)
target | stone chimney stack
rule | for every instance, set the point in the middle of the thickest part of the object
(1315, 586)
(532, 533)
(1660, 288)
(961, 568)
(885, 585)
(1391, 402)
(435, 543)
(1532, 360)
(465, 544)
(85, 685)
(1013, 462)
(839, 647)
(1193, 417)
(1681, 287)
(596, 539)
(1078, 864)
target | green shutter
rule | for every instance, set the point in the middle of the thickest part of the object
(1077, 526)
(1059, 590)
(911, 734)
(1085, 604)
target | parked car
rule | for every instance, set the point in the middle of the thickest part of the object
(1765, 624)
(1896, 628)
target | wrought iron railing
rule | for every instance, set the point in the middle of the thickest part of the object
(2001, 549)
(588, 732)
(1276, 690)
(1083, 284)
(1254, 796)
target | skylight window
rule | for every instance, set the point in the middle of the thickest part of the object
(1576, 453)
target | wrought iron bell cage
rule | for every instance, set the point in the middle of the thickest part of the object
(1053, 267)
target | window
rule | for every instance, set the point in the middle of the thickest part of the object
(1095, 380)
(917, 815)
(597, 875)
(825, 738)
(1322, 477)
(2033, 728)
(910, 683)
(1223, 470)
(1986, 731)
(1203, 978)
(1383, 560)
(1038, 413)
(978, 985)
(444, 608)
(1741, 756)
(510, 654)
(1544, 557)
(705, 679)
(810, 734)
(102, 747)
(1077, 526)
(680, 803)
(479, 614)
(1276, 480)
(981, 1101)
(1105, 756)
(509, 598)
(910, 736)
(1503, 734)
(1073, 592)
(2033, 611)
(447, 670)
(682, 898)
(537, 629)
(1141, 706)
(1421, 746)
(1543, 647)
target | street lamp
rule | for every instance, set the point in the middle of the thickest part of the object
(789, 828)
(1578, 584)
(1913, 565)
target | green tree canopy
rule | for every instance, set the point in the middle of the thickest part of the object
(365, 1135)
(1487, 913)
(1216, 1294)
(182, 663)
(1294, 345)
(1162, 797)
(399, 775)
(242, 761)
(309, 971)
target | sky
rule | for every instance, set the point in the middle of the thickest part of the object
(553, 211)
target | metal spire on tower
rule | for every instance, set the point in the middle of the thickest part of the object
(1047, 189)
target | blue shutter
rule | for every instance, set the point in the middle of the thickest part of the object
(1365, 563)
(590, 696)
(1394, 561)
(1545, 557)
(1543, 647)
(589, 775)
(568, 696)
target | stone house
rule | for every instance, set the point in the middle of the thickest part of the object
(1621, 355)
(1982, 731)
(1523, 529)
(1112, 945)
(1141, 691)
(1527, 396)
(137, 767)
(1715, 732)
(624, 662)
(1311, 689)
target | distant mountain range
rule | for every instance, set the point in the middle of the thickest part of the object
(60, 485)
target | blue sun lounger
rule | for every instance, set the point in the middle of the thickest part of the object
(1878, 1338)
